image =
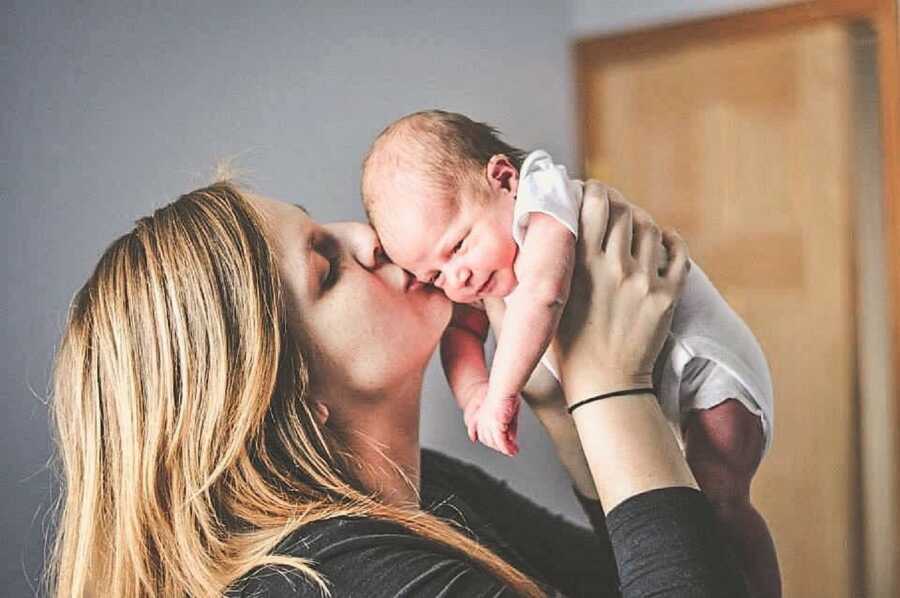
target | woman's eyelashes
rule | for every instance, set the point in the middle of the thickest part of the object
(331, 272)
(328, 247)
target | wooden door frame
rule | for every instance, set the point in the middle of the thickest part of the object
(880, 15)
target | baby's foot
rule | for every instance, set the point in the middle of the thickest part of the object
(495, 422)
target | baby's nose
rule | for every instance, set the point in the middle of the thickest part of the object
(461, 277)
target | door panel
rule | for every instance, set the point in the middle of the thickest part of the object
(742, 145)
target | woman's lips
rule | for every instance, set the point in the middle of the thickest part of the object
(412, 283)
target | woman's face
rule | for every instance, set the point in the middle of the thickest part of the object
(368, 324)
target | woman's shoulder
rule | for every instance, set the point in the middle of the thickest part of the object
(359, 555)
(366, 557)
(441, 472)
(475, 495)
(313, 543)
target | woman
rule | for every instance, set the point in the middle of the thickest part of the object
(237, 402)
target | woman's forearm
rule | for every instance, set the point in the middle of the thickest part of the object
(629, 448)
(545, 397)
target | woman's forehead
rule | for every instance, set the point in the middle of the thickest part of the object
(291, 231)
(280, 216)
(272, 207)
(288, 226)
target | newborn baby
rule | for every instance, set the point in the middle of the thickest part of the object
(478, 240)
(462, 210)
(495, 228)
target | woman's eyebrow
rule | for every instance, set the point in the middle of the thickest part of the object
(305, 211)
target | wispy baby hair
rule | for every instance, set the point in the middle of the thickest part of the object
(446, 147)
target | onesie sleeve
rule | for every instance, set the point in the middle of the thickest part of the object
(545, 187)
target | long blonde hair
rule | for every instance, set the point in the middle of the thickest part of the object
(187, 442)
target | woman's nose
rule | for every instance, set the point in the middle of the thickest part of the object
(362, 243)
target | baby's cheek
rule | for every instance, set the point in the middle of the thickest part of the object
(507, 253)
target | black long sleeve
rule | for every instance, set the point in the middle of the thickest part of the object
(665, 543)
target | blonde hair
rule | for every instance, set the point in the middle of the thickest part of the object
(186, 438)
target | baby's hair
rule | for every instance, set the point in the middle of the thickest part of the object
(447, 147)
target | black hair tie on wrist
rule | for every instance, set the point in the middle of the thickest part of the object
(617, 393)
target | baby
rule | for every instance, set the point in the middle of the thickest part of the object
(485, 222)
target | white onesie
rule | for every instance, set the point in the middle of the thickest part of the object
(709, 356)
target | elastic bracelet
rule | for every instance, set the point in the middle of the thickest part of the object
(617, 393)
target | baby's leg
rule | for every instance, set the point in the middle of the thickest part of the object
(724, 446)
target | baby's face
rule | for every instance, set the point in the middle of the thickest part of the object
(465, 250)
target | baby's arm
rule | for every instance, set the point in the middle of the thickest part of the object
(462, 353)
(544, 271)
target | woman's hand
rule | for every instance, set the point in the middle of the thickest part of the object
(627, 280)
(628, 277)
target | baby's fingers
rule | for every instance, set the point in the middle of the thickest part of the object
(498, 440)
(510, 443)
(470, 417)
(472, 429)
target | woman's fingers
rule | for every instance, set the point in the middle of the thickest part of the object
(594, 217)
(679, 263)
(620, 231)
(648, 239)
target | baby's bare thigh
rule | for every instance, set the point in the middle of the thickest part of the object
(724, 446)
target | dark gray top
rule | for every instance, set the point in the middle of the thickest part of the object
(665, 542)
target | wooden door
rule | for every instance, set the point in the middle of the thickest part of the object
(742, 144)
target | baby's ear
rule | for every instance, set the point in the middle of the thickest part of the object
(501, 174)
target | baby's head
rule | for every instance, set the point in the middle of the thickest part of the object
(439, 189)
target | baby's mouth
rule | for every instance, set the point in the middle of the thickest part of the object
(486, 285)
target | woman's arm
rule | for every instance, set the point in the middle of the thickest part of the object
(613, 328)
(544, 395)
(627, 280)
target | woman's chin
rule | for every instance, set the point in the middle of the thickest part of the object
(436, 312)
(440, 310)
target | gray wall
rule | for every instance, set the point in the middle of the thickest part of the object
(110, 109)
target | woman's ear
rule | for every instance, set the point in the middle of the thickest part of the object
(501, 174)
(321, 412)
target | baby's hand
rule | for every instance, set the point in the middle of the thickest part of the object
(495, 422)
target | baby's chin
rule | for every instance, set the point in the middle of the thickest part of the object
(503, 284)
